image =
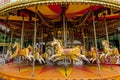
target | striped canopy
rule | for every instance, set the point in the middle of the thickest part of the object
(50, 16)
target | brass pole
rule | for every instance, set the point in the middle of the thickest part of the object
(72, 38)
(33, 41)
(35, 29)
(106, 29)
(98, 61)
(27, 41)
(83, 34)
(4, 40)
(64, 35)
(6, 19)
(42, 41)
(22, 33)
(22, 36)
(119, 37)
(118, 30)
(12, 31)
(64, 30)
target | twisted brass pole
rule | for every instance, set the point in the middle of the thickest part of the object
(22, 33)
(35, 29)
(98, 61)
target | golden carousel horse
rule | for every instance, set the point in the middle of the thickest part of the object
(73, 53)
(93, 54)
(39, 56)
(89, 54)
(26, 52)
(109, 52)
(9, 51)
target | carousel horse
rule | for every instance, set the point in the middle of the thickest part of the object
(89, 54)
(38, 56)
(93, 54)
(108, 51)
(26, 52)
(73, 53)
(9, 51)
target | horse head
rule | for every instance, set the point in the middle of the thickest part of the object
(54, 42)
(16, 44)
(30, 47)
(57, 43)
(93, 49)
(105, 42)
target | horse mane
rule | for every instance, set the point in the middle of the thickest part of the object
(106, 42)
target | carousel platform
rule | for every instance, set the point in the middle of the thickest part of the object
(14, 71)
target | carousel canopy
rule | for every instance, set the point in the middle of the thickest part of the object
(49, 16)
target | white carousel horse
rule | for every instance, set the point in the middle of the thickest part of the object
(38, 56)
(26, 52)
(70, 53)
(107, 51)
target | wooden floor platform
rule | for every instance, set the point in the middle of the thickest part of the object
(50, 72)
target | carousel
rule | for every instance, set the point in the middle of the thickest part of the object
(58, 39)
